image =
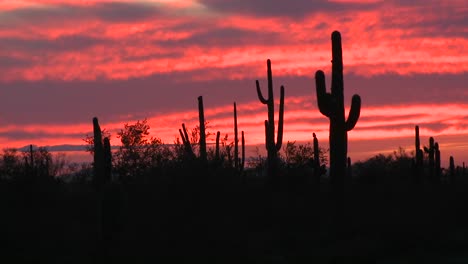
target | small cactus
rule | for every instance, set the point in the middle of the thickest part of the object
(217, 158)
(452, 169)
(201, 117)
(419, 152)
(349, 169)
(438, 170)
(431, 154)
(318, 169)
(186, 142)
(243, 152)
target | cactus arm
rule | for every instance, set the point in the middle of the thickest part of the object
(323, 98)
(185, 137)
(354, 112)
(259, 93)
(182, 136)
(279, 140)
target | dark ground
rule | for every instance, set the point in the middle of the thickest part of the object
(232, 220)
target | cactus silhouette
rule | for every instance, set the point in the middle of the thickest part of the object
(419, 152)
(452, 169)
(107, 160)
(102, 157)
(243, 152)
(99, 162)
(218, 134)
(186, 142)
(201, 117)
(349, 169)
(271, 146)
(236, 140)
(331, 105)
(431, 154)
(438, 170)
(318, 169)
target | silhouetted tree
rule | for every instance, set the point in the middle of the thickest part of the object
(11, 164)
(139, 152)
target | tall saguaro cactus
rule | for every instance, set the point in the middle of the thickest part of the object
(236, 140)
(242, 163)
(271, 146)
(331, 105)
(201, 117)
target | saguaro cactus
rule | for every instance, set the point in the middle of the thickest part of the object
(452, 170)
(271, 146)
(186, 142)
(331, 105)
(243, 152)
(99, 163)
(217, 158)
(349, 168)
(236, 140)
(438, 170)
(318, 169)
(102, 157)
(431, 153)
(201, 117)
(419, 152)
(107, 160)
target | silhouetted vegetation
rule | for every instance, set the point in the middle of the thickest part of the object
(146, 199)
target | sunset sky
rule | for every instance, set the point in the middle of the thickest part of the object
(64, 62)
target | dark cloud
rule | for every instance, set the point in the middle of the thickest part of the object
(282, 8)
(62, 43)
(228, 37)
(65, 147)
(37, 16)
(24, 135)
(54, 102)
(443, 21)
(390, 118)
(12, 62)
(435, 127)
(115, 12)
(125, 11)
